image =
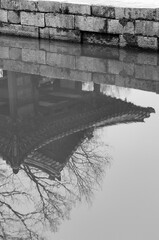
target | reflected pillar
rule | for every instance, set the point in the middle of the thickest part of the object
(96, 88)
(12, 93)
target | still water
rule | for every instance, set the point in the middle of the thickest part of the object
(79, 140)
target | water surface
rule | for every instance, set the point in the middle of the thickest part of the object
(79, 140)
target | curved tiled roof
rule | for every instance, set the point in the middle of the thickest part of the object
(21, 138)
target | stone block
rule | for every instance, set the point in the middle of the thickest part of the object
(114, 66)
(34, 56)
(78, 9)
(60, 60)
(147, 72)
(147, 28)
(32, 19)
(14, 16)
(65, 34)
(90, 64)
(3, 16)
(15, 53)
(11, 4)
(4, 52)
(120, 68)
(135, 13)
(46, 6)
(65, 73)
(90, 24)
(147, 42)
(81, 76)
(105, 78)
(60, 21)
(22, 67)
(147, 58)
(17, 42)
(119, 13)
(45, 33)
(103, 11)
(53, 72)
(29, 6)
(120, 26)
(19, 30)
(128, 40)
(61, 47)
(100, 38)
(115, 27)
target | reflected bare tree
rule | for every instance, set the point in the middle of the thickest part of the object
(32, 203)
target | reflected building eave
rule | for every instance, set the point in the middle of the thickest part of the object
(23, 137)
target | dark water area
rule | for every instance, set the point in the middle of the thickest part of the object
(79, 138)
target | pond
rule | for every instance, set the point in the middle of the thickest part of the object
(79, 140)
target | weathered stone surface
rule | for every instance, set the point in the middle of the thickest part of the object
(45, 33)
(157, 14)
(128, 40)
(17, 42)
(90, 24)
(120, 26)
(60, 21)
(147, 42)
(100, 38)
(3, 16)
(103, 11)
(91, 64)
(32, 19)
(81, 76)
(34, 56)
(4, 52)
(114, 66)
(14, 16)
(120, 68)
(19, 66)
(115, 27)
(135, 13)
(60, 60)
(11, 5)
(147, 72)
(15, 53)
(147, 28)
(19, 30)
(79, 9)
(46, 6)
(65, 34)
(147, 58)
(28, 5)
(53, 72)
(61, 47)
(103, 78)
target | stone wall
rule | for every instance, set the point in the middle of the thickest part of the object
(84, 63)
(81, 23)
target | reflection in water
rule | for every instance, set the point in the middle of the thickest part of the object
(47, 138)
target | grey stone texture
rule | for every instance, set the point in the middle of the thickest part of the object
(147, 42)
(91, 24)
(3, 16)
(103, 11)
(95, 24)
(49, 7)
(59, 21)
(32, 19)
(78, 9)
(14, 17)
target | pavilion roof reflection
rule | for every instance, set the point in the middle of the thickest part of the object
(42, 124)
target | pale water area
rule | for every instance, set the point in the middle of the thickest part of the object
(116, 3)
(79, 134)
